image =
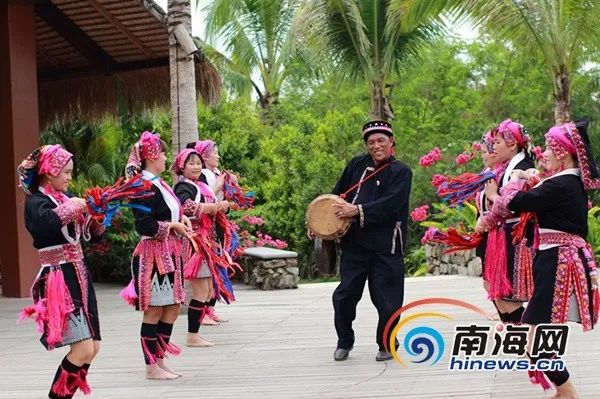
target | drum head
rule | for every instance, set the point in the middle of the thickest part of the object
(321, 218)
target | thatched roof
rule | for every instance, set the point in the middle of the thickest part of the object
(91, 52)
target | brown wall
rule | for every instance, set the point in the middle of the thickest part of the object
(19, 134)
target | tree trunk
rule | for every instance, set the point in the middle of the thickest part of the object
(562, 97)
(380, 107)
(184, 112)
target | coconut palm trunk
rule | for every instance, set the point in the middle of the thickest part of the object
(380, 106)
(562, 97)
(184, 117)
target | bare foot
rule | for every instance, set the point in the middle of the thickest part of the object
(493, 316)
(218, 318)
(566, 391)
(195, 340)
(163, 365)
(153, 372)
(207, 321)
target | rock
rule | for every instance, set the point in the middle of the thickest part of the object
(294, 271)
(474, 267)
(291, 262)
(268, 283)
(462, 270)
(428, 251)
(446, 258)
(443, 269)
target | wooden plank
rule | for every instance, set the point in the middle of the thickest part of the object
(278, 344)
(117, 24)
(74, 35)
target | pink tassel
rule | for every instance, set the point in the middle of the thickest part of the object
(496, 265)
(168, 347)
(539, 378)
(59, 304)
(82, 383)
(62, 387)
(128, 294)
(151, 357)
(36, 311)
(192, 267)
(160, 353)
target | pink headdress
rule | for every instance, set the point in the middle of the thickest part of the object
(149, 146)
(205, 147)
(572, 137)
(45, 160)
(179, 163)
(512, 132)
(488, 141)
(52, 159)
(558, 139)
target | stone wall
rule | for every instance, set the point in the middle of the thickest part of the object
(270, 274)
(461, 262)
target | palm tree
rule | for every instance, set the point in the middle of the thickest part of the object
(184, 116)
(356, 36)
(256, 35)
(562, 31)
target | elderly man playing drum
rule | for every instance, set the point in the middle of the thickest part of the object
(375, 188)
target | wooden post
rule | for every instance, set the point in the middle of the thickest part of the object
(19, 132)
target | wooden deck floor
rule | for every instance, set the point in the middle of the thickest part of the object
(278, 344)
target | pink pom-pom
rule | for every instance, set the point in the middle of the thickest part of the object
(128, 294)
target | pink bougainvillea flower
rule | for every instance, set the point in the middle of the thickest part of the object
(420, 214)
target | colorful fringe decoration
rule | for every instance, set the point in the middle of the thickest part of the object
(523, 269)
(217, 257)
(128, 294)
(38, 312)
(454, 239)
(82, 383)
(151, 356)
(496, 265)
(104, 203)
(457, 190)
(539, 378)
(232, 192)
(58, 305)
(170, 347)
(62, 386)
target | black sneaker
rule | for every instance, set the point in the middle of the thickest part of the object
(382, 356)
(341, 354)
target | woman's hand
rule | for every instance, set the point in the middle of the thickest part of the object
(491, 190)
(220, 183)
(186, 221)
(179, 228)
(223, 206)
(530, 174)
(80, 202)
(209, 208)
